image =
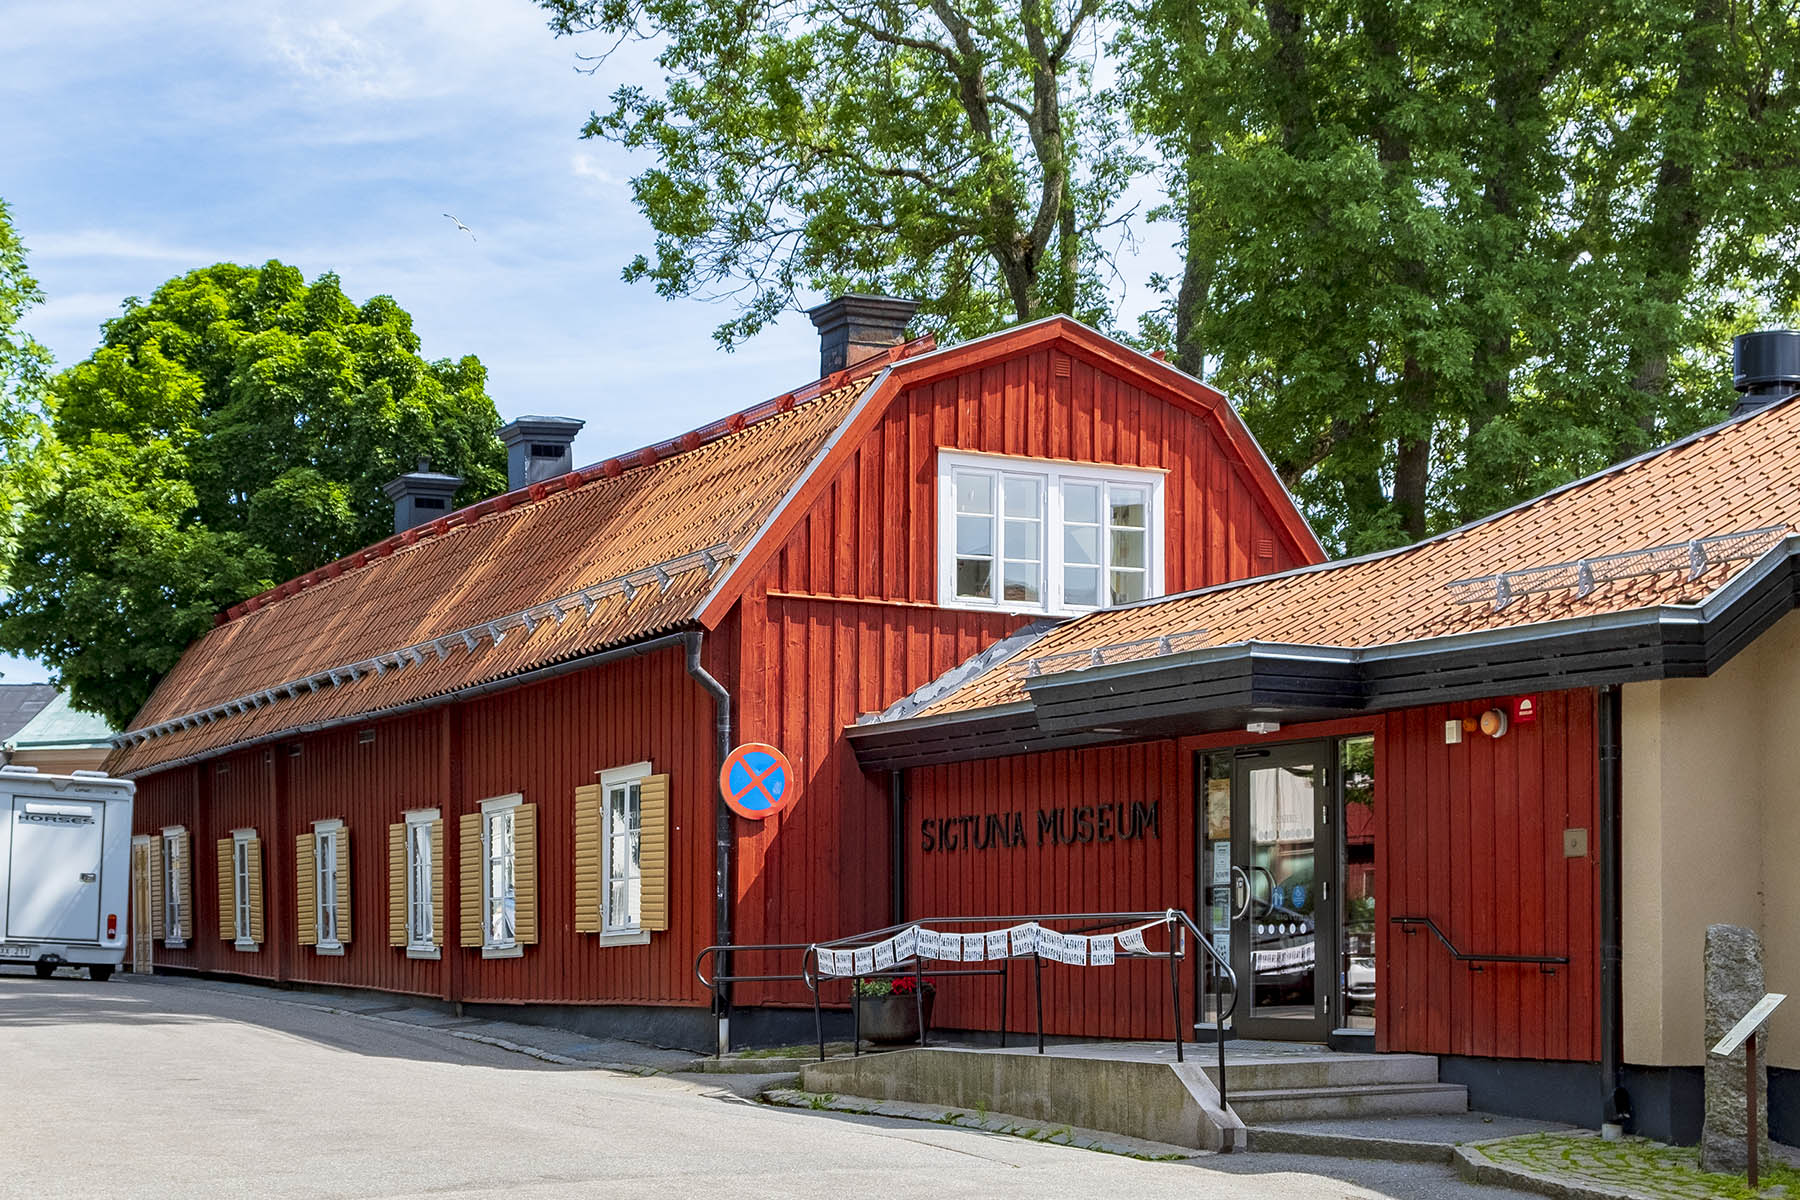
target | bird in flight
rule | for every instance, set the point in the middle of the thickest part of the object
(462, 227)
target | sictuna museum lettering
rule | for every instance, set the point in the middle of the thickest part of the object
(1069, 826)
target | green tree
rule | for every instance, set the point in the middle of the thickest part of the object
(232, 431)
(1445, 255)
(25, 463)
(958, 151)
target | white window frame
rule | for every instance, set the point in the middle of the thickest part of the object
(505, 861)
(327, 834)
(1051, 477)
(175, 934)
(421, 933)
(240, 887)
(618, 929)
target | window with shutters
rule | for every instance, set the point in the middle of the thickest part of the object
(243, 901)
(499, 876)
(1024, 535)
(421, 924)
(328, 864)
(622, 849)
(175, 916)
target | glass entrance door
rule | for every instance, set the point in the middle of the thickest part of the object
(1282, 917)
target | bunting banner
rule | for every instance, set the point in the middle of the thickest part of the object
(995, 945)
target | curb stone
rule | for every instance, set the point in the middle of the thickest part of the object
(1270, 1139)
(987, 1122)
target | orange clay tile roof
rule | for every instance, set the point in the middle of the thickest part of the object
(1743, 475)
(682, 507)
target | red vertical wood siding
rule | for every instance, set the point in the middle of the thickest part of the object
(1469, 835)
(844, 620)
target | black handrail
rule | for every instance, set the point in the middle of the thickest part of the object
(1547, 962)
(1225, 978)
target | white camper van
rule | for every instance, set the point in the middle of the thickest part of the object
(65, 869)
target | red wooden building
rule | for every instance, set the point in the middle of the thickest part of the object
(478, 761)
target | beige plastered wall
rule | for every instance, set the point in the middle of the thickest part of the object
(1710, 802)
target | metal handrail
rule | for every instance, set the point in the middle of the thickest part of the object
(1175, 918)
(712, 985)
(1548, 962)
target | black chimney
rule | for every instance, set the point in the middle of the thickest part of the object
(539, 448)
(855, 328)
(1765, 367)
(420, 496)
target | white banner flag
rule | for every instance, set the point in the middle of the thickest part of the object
(865, 962)
(884, 954)
(906, 943)
(996, 945)
(1132, 942)
(1100, 950)
(1024, 938)
(974, 947)
(828, 962)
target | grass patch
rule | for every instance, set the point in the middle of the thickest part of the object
(1636, 1163)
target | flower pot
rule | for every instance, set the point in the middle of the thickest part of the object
(892, 1018)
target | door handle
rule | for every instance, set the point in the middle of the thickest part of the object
(1240, 893)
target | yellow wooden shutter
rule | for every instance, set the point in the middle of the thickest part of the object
(525, 875)
(253, 851)
(653, 852)
(437, 882)
(156, 886)
(184, 884)
(587, 858)
(397, 884)
(227, 895)
(345, 924)
(469, 846)
(306, 891)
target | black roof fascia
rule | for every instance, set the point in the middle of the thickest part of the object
(1220, 687)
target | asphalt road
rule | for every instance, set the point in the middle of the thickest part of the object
(141, 1088)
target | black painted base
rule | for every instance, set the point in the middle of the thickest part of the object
(1667, 1103)
(653, 1025)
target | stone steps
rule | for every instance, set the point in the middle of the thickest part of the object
(1271, 1106)
(1325, 1070)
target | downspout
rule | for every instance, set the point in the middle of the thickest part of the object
(897, 819)
(722, 830)
(1616, 1101)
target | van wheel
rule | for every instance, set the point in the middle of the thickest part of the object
(44, 970)
(100, 972)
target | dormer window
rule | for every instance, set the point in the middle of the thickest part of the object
(1027, 535)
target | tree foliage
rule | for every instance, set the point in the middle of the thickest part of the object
(1445, 255)
(232, 431)
(24, 369)
(955, 151)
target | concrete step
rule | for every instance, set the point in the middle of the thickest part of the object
(1268, 1106)
(1326, 1071)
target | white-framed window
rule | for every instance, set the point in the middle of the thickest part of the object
(499, 896)
(421, 936)
(174, 919)
(242, 910)
(1029, 535)
(327, 862)
(621, 849)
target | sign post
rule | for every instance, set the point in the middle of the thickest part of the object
(1744, 1034)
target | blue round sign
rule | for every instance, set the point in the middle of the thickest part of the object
(757, 781)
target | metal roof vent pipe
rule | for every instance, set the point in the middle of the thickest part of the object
(539, 448)
(420, 496)
(1765, 368)
(855, 328)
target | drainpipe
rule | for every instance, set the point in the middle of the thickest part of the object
(722, 831)
(897, 806)
(1617, 1102)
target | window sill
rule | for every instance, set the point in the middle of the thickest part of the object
(175, 943)
(632, 937)
(333, 950)
(246, 945)
(959, 604)
(514, 951)
(424, 952)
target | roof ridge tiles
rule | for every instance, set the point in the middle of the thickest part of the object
(610, 468)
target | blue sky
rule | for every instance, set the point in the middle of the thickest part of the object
(157, 137)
